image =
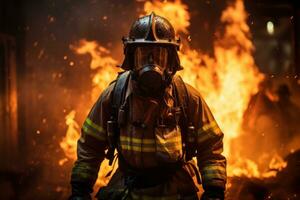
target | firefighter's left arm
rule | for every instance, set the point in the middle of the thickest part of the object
(209, 145)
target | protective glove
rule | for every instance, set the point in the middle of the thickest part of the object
(213, 193)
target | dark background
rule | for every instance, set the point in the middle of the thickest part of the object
(35, 35)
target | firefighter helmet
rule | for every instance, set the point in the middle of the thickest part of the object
(151, 30)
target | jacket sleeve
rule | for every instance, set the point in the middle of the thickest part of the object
(209, 143)
(91, 147)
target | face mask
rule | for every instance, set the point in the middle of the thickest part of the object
(150, 63)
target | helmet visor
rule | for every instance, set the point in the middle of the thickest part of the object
(147, 55)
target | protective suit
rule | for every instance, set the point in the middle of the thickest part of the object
(156, 123)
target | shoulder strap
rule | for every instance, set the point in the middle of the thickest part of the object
(182, 95)
(118, 97)
(119, 92)
(188, 130)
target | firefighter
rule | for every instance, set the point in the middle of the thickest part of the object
(155, 122)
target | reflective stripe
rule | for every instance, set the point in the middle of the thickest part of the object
(208, 126)
(208, 131)
(143, 148)
(138, 148)
(211, 127)
(214, 168)
(93, 125)
(213, 172)
(149, 142)
(212, 176)
(132, 147)
(150, 145)
(136, 140)
(92, 133)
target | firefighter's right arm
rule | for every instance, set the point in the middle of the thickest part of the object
(91, 148)
(209, 144)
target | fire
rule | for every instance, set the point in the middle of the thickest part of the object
(69, 142)
(69, 145)
(105, 70)
(176, 12)
(102, 64)
(227, 80)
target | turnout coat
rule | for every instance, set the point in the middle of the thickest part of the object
(152, 141)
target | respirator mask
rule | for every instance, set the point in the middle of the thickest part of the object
(151, 70)
(151, 53)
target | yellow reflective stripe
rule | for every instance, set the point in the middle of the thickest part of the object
(208, 131)
(150, 148)
(146, 149)
(213, 126)
(214, 171)
(209, 126)
(138, 148)
(174, 140)
(211, 176)
(145, 197)
(214, 168)
(150, 145)
(90, 132)
(93, 125)
(136, 140)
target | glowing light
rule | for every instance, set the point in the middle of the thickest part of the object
(71, 63)
(270, 27)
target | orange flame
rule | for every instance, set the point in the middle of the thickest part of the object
(176, 12)
(69, 142)
(105, 67)
(228, 80)
(101, 62)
